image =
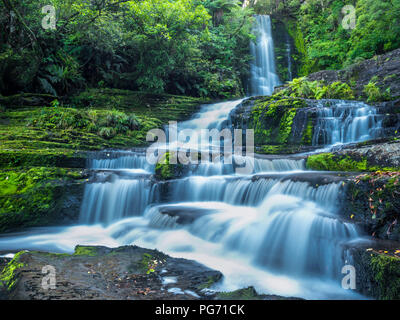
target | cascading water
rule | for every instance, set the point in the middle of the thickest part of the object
(263, 73)
(289, 58)
(269, 229)
(341, 122)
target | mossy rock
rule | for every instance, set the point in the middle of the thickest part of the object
(8, 277)
(165, 170)
(331, 162)
(242, 294)
(272, 120)
(378, 274)
(337, 162)
(39, 196)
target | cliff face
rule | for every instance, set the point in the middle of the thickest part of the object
(383, 70)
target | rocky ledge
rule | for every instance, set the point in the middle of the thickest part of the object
(124, 273)
(384, 70)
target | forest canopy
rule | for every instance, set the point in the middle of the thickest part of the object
(188, 47)
(196, 48)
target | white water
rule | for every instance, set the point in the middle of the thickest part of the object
(346, 122)
(289, 58)
(263, 74)
(280, 236)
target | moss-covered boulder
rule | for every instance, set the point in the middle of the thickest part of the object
(368, 156)
(281, 125)
(167, 170)
(39, 196)
(377, 273)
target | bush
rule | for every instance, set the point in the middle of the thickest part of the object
(374, 94)
(107, 124)
(302, 88)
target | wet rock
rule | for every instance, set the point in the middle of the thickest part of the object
(249, 294)
(377, 269)
(383, 69)
(102, 273)
(184, 215)
(372, 202)
(385, 154)
(124, 273)
(314, 179)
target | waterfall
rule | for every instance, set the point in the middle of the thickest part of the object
(341, 122)
(263, 73)
(289, 58)
(270, 229)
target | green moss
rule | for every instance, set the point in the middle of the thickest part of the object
(242, 294)
(272, 119)
(278, 149)
(8, 277)
(85, 251)
(387, 275)
(308, 133)
(209, 283)
(31, 197)
(166, 170)
(331, 162)
(285, 127)
(305, 65)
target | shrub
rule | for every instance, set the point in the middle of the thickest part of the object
(302, 88)
(374, 94)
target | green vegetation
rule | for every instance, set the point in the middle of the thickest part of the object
(43, 150)
(86, 251)
(387, 275)
(301, 88)
(186, 47)
(33, 197)
(374, 93)
(211, 280)
(168, 171)
(332, 162)
(242, 294)
(320, 37)
(8, 277)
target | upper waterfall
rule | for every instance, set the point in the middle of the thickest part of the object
(263, 72)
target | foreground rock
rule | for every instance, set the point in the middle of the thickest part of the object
(377, 267)
(124, 273)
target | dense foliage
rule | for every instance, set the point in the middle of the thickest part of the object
(191, 47)
(317, 28)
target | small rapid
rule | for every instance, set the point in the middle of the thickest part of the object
(340, 122)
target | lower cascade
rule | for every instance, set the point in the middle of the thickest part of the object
(273, 229)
